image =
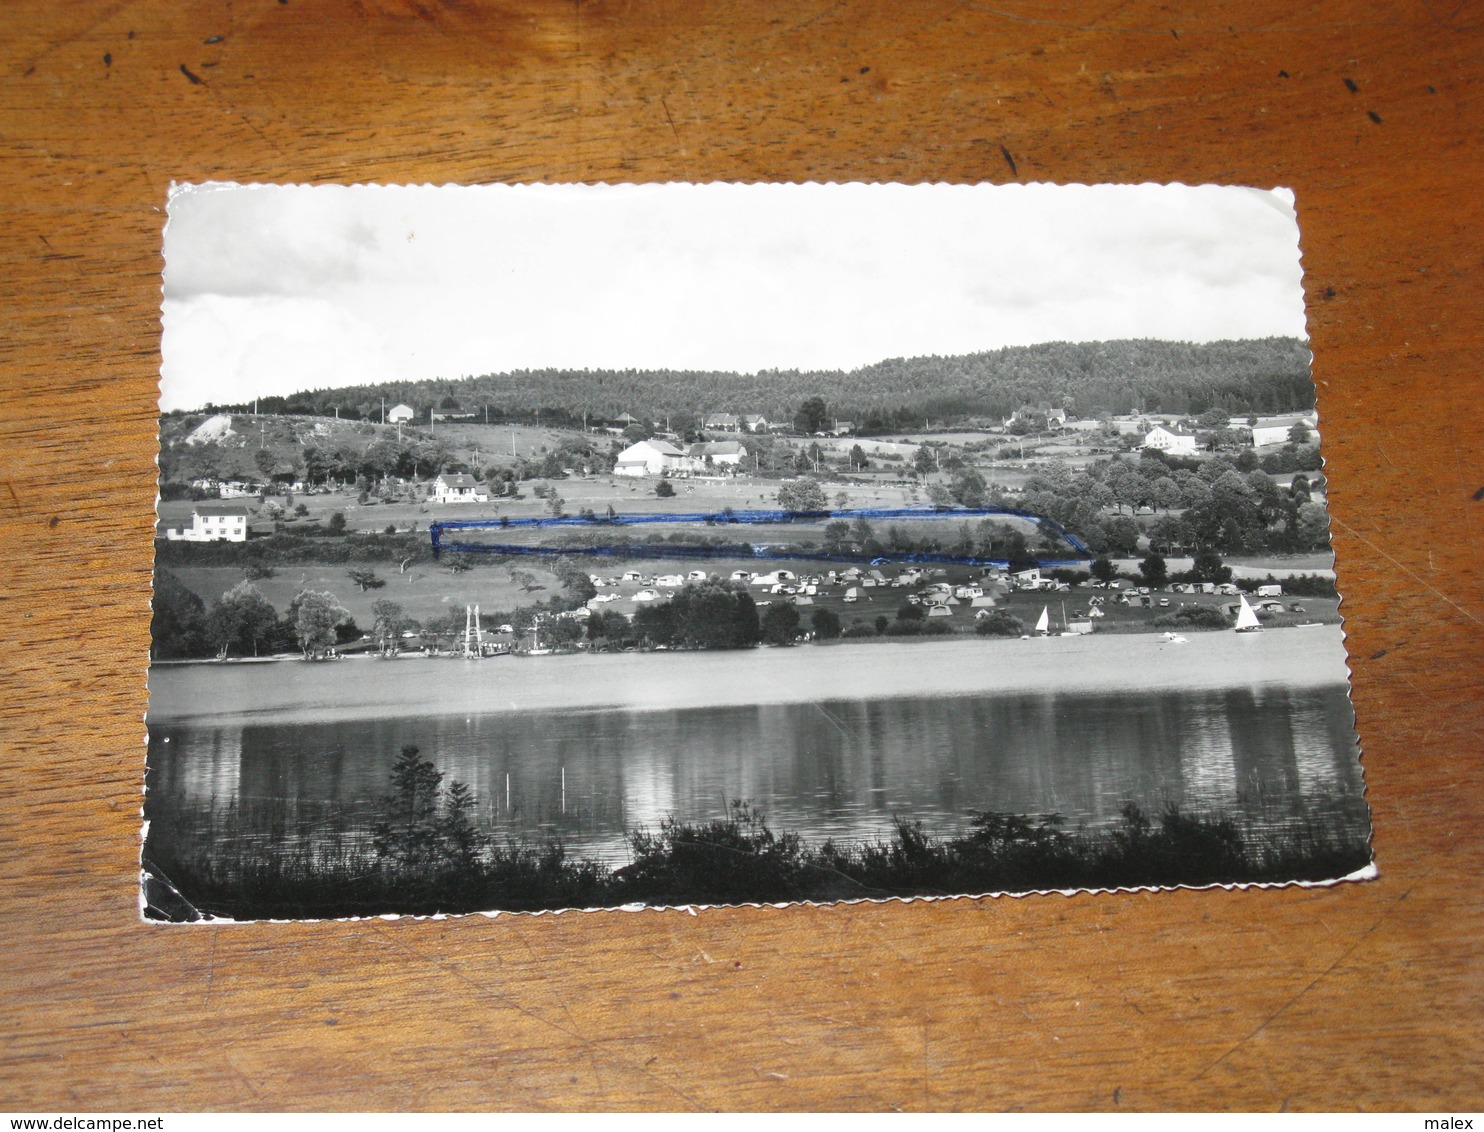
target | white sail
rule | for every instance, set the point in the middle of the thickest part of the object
(1044, 624)
(1247, 617)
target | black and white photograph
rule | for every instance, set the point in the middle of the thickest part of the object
(527, 548)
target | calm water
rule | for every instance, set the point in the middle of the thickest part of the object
(1276, 757)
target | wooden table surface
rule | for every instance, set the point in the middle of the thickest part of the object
(1362, 996)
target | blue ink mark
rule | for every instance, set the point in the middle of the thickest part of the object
(744, 518)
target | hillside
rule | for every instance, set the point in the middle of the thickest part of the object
(1269, 375)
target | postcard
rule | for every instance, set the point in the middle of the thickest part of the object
(542, 547)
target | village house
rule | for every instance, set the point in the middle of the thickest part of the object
(1172, 438)
(231, 489)
(722, 422)
(399, 414)
(1031, 580)
(755, 422)
(214, 522)
(459, 488)
(720, 454)
(1276, 431)
(1040, 417)
(651, 458)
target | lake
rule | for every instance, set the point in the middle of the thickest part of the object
(1276, 755)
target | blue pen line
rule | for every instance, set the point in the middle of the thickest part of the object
(743, 518)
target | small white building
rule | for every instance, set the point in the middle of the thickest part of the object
(214, 522)
(755, 422)
(1030, 579)
(1171, 439)
(1269, 432)
(399, 414)
(650, 458)
(721, 454)
(459, 488)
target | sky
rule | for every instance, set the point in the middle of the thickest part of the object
(276, 289)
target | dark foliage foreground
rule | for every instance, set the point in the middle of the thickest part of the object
(418, 853)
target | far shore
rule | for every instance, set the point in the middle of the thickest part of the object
(294, 691)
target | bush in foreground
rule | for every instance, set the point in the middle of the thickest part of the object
(1194, 617)
(1000, 623)
(418, 855)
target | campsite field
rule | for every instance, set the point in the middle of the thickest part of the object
(427, 591)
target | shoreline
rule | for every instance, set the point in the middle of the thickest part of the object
(373, 688)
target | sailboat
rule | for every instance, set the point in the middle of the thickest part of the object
(1043, 625)
(1247, 621)
(536, 649)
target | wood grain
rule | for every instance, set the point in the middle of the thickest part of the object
(1361, 996)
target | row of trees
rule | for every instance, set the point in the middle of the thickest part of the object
(710, 615)
(243, 622)
(1221, 507)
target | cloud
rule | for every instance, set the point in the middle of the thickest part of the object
(227, 349)
(278, 289)
(266, 241)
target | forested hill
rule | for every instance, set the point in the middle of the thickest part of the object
(1269, 375)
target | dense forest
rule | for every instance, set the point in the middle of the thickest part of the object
(1269, 375)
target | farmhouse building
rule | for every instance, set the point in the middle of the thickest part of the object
(1269, 432)
(399, 414)
(459, 489)
(1173, 438)
(735, 422)
(650, 458)
(214, 522)
(721, 454)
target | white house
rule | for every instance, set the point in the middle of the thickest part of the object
(399, 414)
(722, 454)
(214, 522)
(1173, 439)
(1031, 580)
(722, 422)
(1276, 431)
(459, 489)
(754, 422)
(650, 458)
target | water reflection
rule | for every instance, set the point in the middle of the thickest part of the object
(1277, 758)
